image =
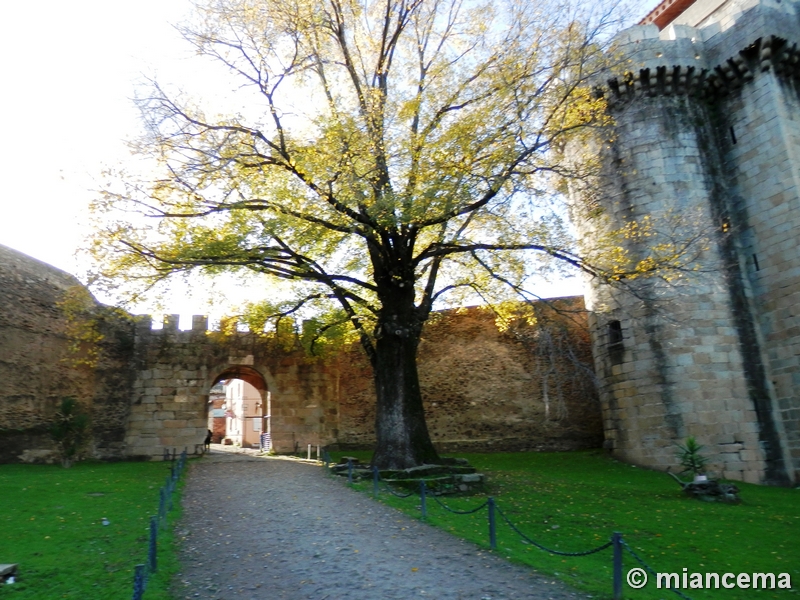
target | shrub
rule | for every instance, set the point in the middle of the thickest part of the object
(70, 431)
(690, 458)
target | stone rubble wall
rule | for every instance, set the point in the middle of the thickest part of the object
(36, 364)
(484, 390)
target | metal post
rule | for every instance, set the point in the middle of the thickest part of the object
(152, 562)
(162, 506)
(349, 471)
(269, 416)
(492, 526)
(138, 582)
(423, 507)
(616, 540)
(375, 478)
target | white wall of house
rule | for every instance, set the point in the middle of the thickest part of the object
(245, 409)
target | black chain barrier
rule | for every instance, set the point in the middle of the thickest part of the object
(550, 550)
(616, 542)
(650, 569)
(388, 488)
(142, 572)
(459, 512)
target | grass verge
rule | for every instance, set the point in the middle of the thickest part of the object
(51, 525)
(573, 501)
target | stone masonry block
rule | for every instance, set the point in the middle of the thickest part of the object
(749, 455)
(732, 475)
(752, 476)
(192, 434)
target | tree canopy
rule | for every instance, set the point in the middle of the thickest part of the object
(393, 154)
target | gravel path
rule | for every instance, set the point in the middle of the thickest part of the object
(263, 529)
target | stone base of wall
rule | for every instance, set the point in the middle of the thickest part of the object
(28, 446)
(517, 445)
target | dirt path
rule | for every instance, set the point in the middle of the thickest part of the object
(263, 529)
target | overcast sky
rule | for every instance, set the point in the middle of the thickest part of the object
(70, 70)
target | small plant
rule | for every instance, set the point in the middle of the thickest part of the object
(70, 431)
(690, 458)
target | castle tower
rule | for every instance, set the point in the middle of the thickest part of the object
(705, 141)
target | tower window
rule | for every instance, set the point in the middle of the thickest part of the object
(616, 349)
(614, 333)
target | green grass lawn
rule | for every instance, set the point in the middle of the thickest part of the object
(574, 501)
(50, 524)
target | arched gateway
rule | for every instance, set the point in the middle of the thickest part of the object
(177, 369)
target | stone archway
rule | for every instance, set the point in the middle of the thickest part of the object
(242, 415)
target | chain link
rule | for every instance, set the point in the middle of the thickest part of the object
(393, 493)
(459, 512)
(551, 551)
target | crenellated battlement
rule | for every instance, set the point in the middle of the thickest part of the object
(706, 62)
(702, 82)
(170, 324)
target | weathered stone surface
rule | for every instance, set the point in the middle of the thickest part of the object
(707, 127)
(483, 390)
(36, 369)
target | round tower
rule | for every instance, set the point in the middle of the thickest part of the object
(694, 112)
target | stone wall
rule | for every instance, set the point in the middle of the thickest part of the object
(488, 390)
(176, 370)
(483, 389)
(148, 389)
(764, 169)
(37, 363)
(706, 129)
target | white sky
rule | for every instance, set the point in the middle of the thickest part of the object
(70, 70)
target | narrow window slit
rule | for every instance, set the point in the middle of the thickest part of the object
(614, 333)
(616, 349)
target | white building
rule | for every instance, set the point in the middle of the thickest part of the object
(244, 412)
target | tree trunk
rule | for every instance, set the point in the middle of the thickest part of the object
(400, 430)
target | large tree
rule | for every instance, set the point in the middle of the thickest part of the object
(392, 152)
